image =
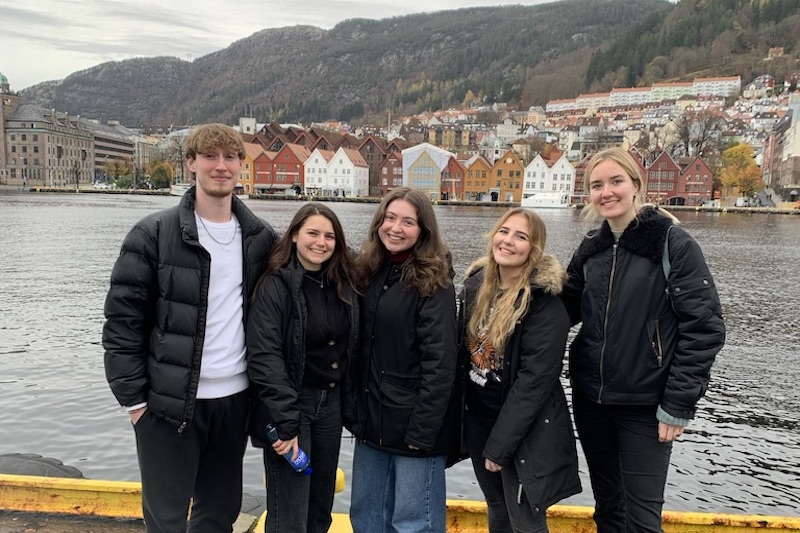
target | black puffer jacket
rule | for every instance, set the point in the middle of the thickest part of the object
(643, 341)
(407, 366)
(534, 429)
(276, 353)
(156, 307)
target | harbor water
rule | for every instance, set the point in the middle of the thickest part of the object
(740, 455)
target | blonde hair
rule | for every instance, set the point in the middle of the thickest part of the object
(499, 315)
(634, 171)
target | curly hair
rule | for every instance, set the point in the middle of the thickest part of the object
(430, 265)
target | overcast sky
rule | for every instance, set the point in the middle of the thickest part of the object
(45, 40)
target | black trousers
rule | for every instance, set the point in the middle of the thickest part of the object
(298, 503)
(627, 465)
(508, 511)
(202, 465)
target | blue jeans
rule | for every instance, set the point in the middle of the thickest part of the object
(627, 465)
(397, 494)
(296, 502)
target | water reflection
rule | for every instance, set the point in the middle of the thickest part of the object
(741, 454)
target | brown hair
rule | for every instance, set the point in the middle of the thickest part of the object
(513, 303)
(339, 268)
(429, 267)
(208, 138)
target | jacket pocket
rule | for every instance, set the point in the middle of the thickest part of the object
(397, 405)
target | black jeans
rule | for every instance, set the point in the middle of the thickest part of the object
(627, 465)
(507, 514)
(202, 464)
(300, 503)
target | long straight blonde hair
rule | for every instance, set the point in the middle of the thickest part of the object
(499, 315)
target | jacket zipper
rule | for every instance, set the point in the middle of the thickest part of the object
(657, 344)
(605, 320)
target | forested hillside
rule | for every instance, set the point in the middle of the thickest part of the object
(701, 37)
(361, 70)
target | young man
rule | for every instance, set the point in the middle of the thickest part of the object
(174, 340)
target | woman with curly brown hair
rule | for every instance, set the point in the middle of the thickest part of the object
(407, 368)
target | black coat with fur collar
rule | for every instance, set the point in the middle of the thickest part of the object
(533, 429)
(644, 340)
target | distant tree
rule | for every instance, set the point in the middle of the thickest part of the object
(469, 98)
(699, 131)
(488, 117)
(160, 177)
(739, 170)
(174, 151)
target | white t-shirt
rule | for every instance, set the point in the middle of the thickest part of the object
(223, 369)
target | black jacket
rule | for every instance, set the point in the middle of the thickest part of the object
(533, 429)
(407, 366)
(644, 340)
(276, 352)
(156, 307)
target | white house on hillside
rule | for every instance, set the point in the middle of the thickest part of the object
(316, 173)
(348, 173)
(539, 177)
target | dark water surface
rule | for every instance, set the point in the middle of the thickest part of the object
(741, 454)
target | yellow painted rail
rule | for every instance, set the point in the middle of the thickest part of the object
(122, 499)
(88, 497)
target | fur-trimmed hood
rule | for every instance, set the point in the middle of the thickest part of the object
(549, 275)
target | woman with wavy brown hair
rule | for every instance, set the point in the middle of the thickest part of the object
(406, 369)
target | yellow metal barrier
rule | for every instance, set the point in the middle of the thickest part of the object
(118, 499)
(122, 499)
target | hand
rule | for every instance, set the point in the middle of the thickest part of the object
(412, 447)
(282, 447)
(136, 414)
(668, 433)
(491, 466)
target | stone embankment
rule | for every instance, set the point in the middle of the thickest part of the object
(785, 208)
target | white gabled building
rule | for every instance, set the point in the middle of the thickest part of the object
(562, 175)
(540, 177)
(316, 173)
(348, 173)
(438, 156)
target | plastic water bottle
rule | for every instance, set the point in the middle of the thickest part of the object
(301, 463)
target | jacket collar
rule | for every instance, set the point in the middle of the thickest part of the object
(549, 276)
(644, 237)
(247, 220)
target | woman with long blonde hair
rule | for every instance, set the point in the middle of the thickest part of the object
(651, 327)
(517, 425)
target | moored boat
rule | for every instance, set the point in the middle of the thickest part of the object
(547, 200)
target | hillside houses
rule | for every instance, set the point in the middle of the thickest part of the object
(452, 156)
